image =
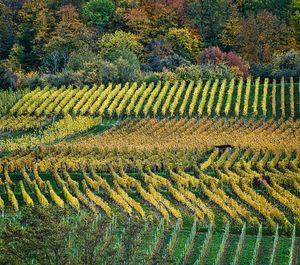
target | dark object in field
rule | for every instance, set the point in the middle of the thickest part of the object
(267, 179)
(256, 182)
(222, 148)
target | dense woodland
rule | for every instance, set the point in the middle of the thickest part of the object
(81, 42)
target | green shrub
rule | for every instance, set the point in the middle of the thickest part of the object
(286, 64)
(196, 72)
(152, 77)
(128, 72)
(185, 43)
(220, 71)
(78, 59)
(188, 72)
(8, 98)
(261, 70)
(8, 79)
(120, 40)
(125, 54)
(31, 80)
(98, 12)
(100, 71)
(171, 62)
(65, 78)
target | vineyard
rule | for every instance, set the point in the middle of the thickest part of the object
(232, 98)
(181, 173)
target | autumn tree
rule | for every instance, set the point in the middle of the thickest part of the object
(69, 35)
(208, 17)
(153, 19)
(98, 12)
(257, 37)
(280, 8)
(7, 33)
(215, 56)
(56, 4)
(119, 41)
(185, 43)
(17, 4)
(286, 64)
(36, 24)
(230, 34)
(295, 19)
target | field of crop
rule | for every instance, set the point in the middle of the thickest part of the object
(182, 173)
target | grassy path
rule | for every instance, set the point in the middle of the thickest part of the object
(214, 248)
(182, 238)
(199, 239)
(248, 249)
(230, 250)
(265, 250)
(283, 251)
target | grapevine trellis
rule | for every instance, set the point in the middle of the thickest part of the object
(181, 99)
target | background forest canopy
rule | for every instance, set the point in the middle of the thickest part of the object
(83, 42)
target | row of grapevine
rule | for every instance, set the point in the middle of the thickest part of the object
(237, 173)
(257, 246)
(203, 98)
(173, 239)
(275, 243)
(10, 123)
(205, 245)
(229, 97)
(292, 247)
(94, 101)
(195, 98)
(60, 129)
(239, 97)
(126, 98)
(148, 100)
(247, 97)
(152, 98)
(220, 97)
(188, 246)
(240, 246)
(223, 245)
(185, 100)
(255, 102)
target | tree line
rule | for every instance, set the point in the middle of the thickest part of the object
(61, 42)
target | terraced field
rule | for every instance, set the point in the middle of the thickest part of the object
(184, 173)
